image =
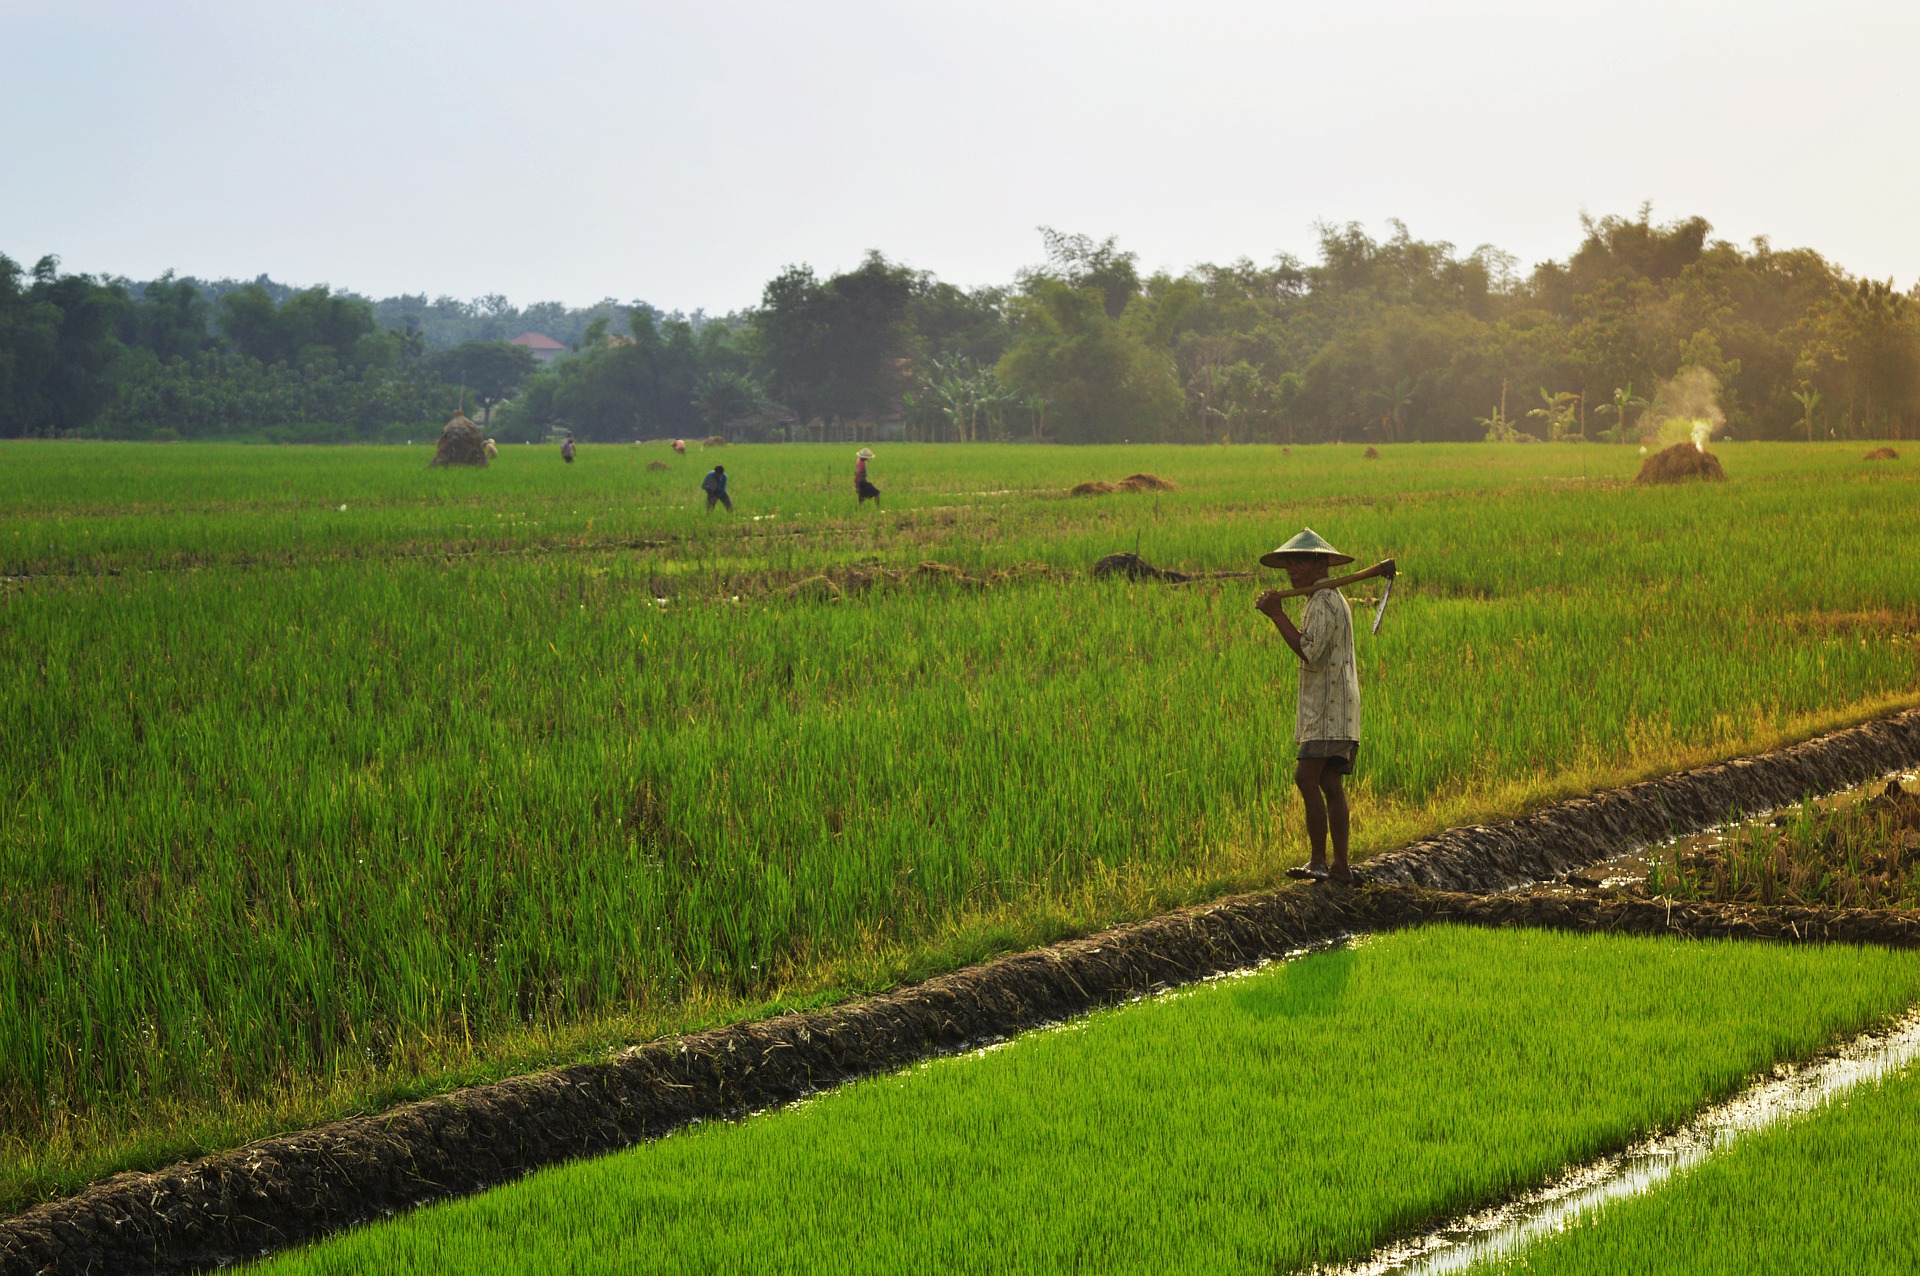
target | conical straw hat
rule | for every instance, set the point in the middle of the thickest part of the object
(865, 453)
(1307, 542)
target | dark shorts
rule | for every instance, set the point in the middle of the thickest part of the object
(1340, 754)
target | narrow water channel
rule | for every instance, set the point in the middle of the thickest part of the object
(1504, 1229)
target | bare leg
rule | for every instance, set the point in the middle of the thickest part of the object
(1333, 786)
(1308, 779)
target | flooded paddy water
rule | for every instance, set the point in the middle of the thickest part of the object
(1790, 1092)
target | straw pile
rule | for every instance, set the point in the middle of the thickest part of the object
(1372, 453)
(1681, 463)
(461, 443)
(1131, 483)
(1883, 454)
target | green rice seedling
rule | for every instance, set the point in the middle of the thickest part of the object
(311, 808)
(1298, 1115)
(1830, 1191)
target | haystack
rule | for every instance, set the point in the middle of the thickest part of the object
(1372, 453)
(1134, 567)
(816, 588)
(658, 465)
(1131, 483)
(461, 443)
(1883, 454)
(1681, 463)
(714, 440)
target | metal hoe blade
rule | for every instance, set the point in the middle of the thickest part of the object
(1380, 612)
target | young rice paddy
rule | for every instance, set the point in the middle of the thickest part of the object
(332, 780)
(1263, 1122)
(1832, 1191)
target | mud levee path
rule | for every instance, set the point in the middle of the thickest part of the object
(283, 1190)
(1617, 915)
(1585, 830)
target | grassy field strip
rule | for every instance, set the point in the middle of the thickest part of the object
(1493, 1239)
(1295, 1115)
(283, 842)
(1831, 1191)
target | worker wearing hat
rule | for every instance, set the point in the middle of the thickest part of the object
(862, 489)
(1327, 719)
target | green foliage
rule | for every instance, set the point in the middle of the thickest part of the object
(491, 370)
(643, 385)
(1099, 379)
(312, 326)
(215, 394)
(78, 356)
(56, 344)
(836, 348)
(1831, 1189)
(1267, 1122)
(289, 782)
(1393, 339)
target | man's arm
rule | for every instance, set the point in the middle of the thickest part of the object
(1270, 605)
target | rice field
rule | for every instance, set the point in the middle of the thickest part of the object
(332, 780)
(1264, 1122)
(1858, 855)
(1833, 1191)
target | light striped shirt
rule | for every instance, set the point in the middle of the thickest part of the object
(1329, 684)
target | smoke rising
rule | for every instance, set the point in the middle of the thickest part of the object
(1685, 410)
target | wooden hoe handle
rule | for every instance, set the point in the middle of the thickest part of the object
(1384, 567)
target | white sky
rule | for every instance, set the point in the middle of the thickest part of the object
(684, 153)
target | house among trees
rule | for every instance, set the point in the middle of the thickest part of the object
(544, 348)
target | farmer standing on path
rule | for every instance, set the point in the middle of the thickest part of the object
(715, 486)
(1327, 721)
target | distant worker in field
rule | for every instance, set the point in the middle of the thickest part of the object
(862, 489)
(492, 449)
(566, 450)
(715, 486)
(679, 447)
(1326, 727)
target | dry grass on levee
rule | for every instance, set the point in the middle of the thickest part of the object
(1833, 1191)
(333, 781)
(1257, 1123)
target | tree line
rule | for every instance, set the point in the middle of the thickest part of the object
(1385, 339)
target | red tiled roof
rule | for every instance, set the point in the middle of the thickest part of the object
(536, 341)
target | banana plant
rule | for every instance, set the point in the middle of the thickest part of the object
(1809, 399)
(1624, 401)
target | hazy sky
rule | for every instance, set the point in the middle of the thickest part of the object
(683, 153)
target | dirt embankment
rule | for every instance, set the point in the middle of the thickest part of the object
(1625, 915)
(283, 1190)
(1586, 830)
(279, 1191)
